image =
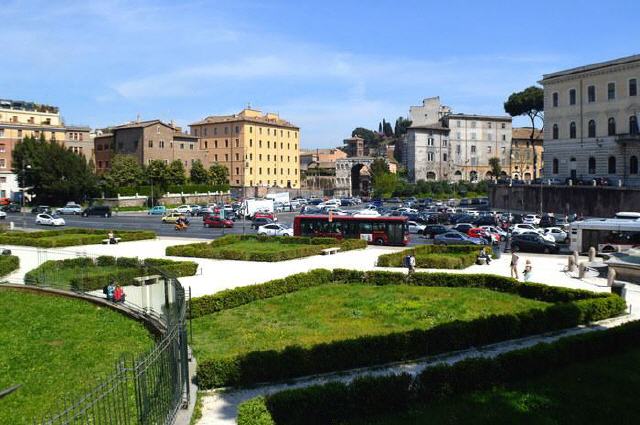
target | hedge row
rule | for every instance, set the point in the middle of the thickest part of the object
(94, 274)
(69, 237)
(393, 394)
(148, 190)
(8, 264)
(306, 248)
(434, 257)
(571, 309)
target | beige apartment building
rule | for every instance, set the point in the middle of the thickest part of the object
(258, 149)
(147, 141)
(591, 122)
(521, 163)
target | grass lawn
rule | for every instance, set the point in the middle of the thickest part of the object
(337, 312)
(56, 346)
(261, 248)
(604, 391)
(69, 237)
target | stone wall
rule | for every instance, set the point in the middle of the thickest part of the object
(590, 201)
(167, 199)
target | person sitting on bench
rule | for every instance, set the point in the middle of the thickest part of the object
(112, 238)
(484, 255)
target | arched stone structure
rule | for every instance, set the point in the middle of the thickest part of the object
(353, 177)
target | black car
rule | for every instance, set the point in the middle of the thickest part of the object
(547, 221)
(12, 207)
(432, 230)
(260, 221)
(485, 220)
(462, 227)
(533, 243)
(462, 218)
(100, 210)
(41, 209)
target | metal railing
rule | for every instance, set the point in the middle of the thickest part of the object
(147, 388)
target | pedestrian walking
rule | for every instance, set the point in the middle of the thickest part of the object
(514, 265)
(527, 271)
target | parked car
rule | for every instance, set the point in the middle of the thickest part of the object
(545, 237)
(271, 216)
(547, 221)
(531, 219)
(157, 210)
(415, 227)
(210, 220)
(496, 230)
(49, 220)
(462, 227)
(520, 228)
(457, 238)
(431, 230)
(533, 243)
(172, 217)
(3, 215)
(559, 235)
(274, 229)
(41, 209)
(260, 221)
(183, 209)
(70, 208)
(485, 220)
(101, 210)
(12, 207)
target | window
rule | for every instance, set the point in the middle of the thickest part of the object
(633, 165)
(458, 135)
(504, 137)
(572, 130)
(611, 91)
(237, 157)
(473, 149)
(592, 165)
(503, 126)
(215, 131)
(633, 124)
(444, 157)
(612, 165)
(205, 132)
(161, 144)
(215, 157)
(591, 94)
(489, 124)
(572, 97)
(555, 166)
(591, 129)
(488, 149)
(430, 141)
(633, 87)
(430, 156)
(473, 124)
(259, 143)
(444, 143)
(3, 163)
(157, 129)
(1, 132)
(250, 142)
(226, 143)
(473, 136)
(237, 143)
(181, 145)
(555, 132)
(611, 127)
(555, 99)
(191, 146)
(150, 143)
(458, 149)
(237, 129)
(226, 130)
(226, 157)
(268, 157)
(237, 170)
(268, 144)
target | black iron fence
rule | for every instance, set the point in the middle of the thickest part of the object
(147, 388)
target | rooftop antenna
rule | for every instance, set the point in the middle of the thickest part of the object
(138, 118)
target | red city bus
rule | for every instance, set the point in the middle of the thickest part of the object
(375, 230)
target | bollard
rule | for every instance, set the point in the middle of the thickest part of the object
(592, 254)
(582, 269)
(11, 225)
(611, 277)
(576, 258)
(571, 265)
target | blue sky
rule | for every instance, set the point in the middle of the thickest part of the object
(326, 66)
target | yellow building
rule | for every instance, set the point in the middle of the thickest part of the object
(258, 149)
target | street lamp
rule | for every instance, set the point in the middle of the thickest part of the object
(25, 167)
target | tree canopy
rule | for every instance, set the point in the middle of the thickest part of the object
(51, 172)
(176, 173)
(529, 102)
(125, 171)
(198, 173)
(218, 175)
(496, 167)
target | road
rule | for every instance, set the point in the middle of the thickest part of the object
(142, 221)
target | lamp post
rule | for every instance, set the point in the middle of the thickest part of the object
(25, 167)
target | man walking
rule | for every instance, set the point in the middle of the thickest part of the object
(514, 265)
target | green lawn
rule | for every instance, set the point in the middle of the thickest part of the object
(56, 346)
(604, 391)
(337, 312)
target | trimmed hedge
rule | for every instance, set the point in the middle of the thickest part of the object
(434, 257)
(338, 402)
(308, 246)
(8, 264)
(90, 275)
(571, 308)
(69, 237)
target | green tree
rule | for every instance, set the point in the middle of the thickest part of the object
(386, 129)
(176, 173)
(158, 174)
(529, 102)
(53, 173)
(378, 167)
(125, 171)
(496, 167)
(401, 126)
(384, 184)
(219, 175)
(198, 173)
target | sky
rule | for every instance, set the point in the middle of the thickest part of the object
(327, 66)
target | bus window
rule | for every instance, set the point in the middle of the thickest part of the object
(366, 227)
(379, 226)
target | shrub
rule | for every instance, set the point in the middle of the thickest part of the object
(68, 237)
(392, 394)
(433, 256)
(8, 264)
(263, 366)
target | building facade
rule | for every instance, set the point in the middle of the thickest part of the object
(318, 168)
(80, 140)
(428, 153)
(430, 113)
(147, 141)
(591, 122)
(258, 149)
(521, 164)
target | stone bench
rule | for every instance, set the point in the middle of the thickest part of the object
(106, 241)
(330, 251)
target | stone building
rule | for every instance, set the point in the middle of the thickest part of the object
(428, 152)
(521, 163)
(430, 113)
(591, 122)
(258, 149)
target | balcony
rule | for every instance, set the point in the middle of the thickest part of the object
(628, 138)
